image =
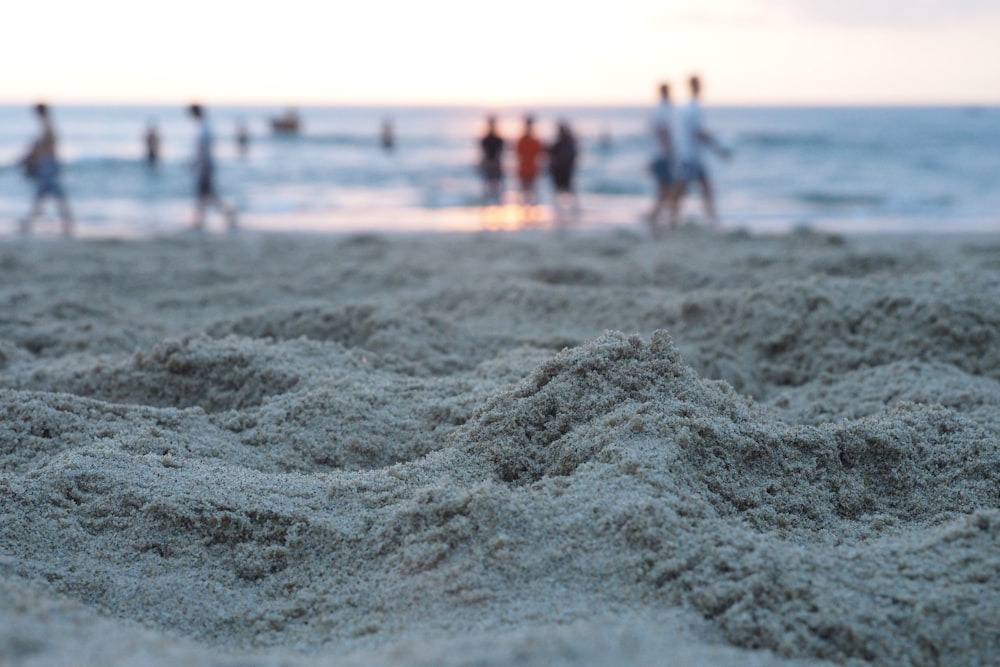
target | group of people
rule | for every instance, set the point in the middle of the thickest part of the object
(681, 140)
(560, 157)
(41, 165)
(151, 142)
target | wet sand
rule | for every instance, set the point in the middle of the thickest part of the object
(527, 449)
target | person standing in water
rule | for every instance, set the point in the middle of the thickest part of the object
(152, 140)
(204, 168)
(387, 136)
(562, 165)
(491, 164)
(530, 153)
(243, 139)
(41, 164)
(693, 138)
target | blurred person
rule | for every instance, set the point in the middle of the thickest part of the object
(663, 164)
(204, 168)
(152, 141)
(562, 156)
(388, 136)
(491, 163)
(243, 139)
(693, 138)
(41, 164)
(530, 154)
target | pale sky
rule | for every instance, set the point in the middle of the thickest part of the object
(513, 52)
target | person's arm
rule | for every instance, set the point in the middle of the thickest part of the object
(29, 161)
(707, 138)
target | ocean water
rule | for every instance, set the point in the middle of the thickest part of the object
(837, 169)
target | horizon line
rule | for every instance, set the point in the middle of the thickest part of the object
(367, 104)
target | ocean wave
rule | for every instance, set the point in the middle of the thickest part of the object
(106, 163)
(838, 199)
(785, 140)
(622, 188)
(347, 139)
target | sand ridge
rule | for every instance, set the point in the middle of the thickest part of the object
(501, 449)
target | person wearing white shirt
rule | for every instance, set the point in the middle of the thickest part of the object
(663, 162)
(693, 138)
(204, 168)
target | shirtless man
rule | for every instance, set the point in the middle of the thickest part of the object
(491, 163)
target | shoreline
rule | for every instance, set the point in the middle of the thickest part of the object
(318, 226)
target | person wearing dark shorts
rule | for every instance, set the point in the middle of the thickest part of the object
(152, 140)
(693, 139)
(662, 164)
(491, 163)
(41, 164)
(562, 166)
(204, 166)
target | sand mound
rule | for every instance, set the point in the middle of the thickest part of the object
(398, 339)
(867, 391)
(215, 376)
(591, 403)
(443, 451)
(789, 334)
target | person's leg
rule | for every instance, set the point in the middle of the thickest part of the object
(661, 176)
(496, 192)
(707, 196)
(527, 197)
(232, 218)
(489, 189)
(660, 200)
(229, 212)
(65, 214)
(36, 210)
(200, 207)
(677, 191)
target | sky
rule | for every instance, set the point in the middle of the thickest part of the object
(520, 51)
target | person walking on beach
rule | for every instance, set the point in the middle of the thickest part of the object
(530, 153)
(693, 138)
(663, 164)
(41, 164)
(562, 165)
(491, 163)
(152, 140)
(204, 168)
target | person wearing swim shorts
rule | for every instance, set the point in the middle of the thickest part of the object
(693, 138)
(42, 165)
(662, 165)
(562, 165)
(491, 163)
(204, 168)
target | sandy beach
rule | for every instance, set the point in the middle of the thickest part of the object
(711, 449)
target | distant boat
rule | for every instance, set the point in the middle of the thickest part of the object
(289, 123)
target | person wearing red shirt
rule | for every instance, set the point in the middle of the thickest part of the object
(530, 153)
